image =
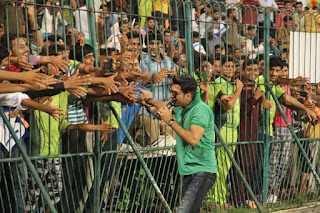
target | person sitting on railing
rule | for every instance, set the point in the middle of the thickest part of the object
(283, 34)
(232, 35)
(299, 18)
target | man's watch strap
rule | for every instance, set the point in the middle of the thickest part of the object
(170, 121)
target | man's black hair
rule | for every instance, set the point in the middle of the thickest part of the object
(250, 27)
(297, 3)
(218, 46)
(287, 18)
(11, 36)
(174, 28)
(52, 50)
(3, 52)
(275, 61)
(111, 5)
(285, 50)
(53, 38)
(154, 37)
(260, 57)
(288, 2)
(150, 18)
(229, 12)
(195, 34)
(132, 35)
(226, 59)
(187, 84)
(247, 63)
(79, 52)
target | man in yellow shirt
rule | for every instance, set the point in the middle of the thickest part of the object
(313, 18)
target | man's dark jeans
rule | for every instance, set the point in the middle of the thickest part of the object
(194, 189)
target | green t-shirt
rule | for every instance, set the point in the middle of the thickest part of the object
(233, 115)
(278, 91)
(48, 130)
(200, 158)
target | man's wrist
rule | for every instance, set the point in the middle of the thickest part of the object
(170, 122)
(148, 100)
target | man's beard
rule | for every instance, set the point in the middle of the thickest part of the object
(234, 19)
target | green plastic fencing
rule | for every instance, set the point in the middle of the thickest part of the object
(269, 162)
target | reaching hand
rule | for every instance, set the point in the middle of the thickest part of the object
(165, 114)
(145, 95)
(129, 92)
(107, 129)
(301, 80)
(75, 81)
(239, 84)
(38, 80)
(79, 92)
(311, 114)
(257, 94)
(60, 62)
(21, 63)
(267, 104)
(161, 75)
(55, 112)
(110, 84)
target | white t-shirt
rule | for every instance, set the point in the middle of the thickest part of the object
(13, 99)
(47, 22)
(82, 21)
(267, 3)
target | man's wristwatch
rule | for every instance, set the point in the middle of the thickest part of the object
(170, 121)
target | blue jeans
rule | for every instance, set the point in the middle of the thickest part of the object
(16, 178)
(194, 189)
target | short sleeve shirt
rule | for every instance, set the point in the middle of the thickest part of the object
(199, 158)
(233, 115)
(278, 91)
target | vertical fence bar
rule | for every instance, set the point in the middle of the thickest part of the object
(188, 35)
(143, 163)
(266, 112)
(26, 158)
(97, 150)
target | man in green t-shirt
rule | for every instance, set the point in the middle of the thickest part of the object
(193, 124)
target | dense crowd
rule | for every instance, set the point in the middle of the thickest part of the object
(53, 71)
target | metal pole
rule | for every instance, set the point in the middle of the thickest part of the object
(97, 150)
(188, 37)
(235, 164)
(143, 163)
(266, 112)
(314, 172)
(26, 158)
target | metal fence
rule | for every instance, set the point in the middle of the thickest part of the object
(267, 159)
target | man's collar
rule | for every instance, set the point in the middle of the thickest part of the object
(195, 100)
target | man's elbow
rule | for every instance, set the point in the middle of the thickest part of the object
(194, 142)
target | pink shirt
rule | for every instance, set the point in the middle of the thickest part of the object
(278, 119)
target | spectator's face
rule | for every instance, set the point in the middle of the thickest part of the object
(183, 60)
(89, 59)
(136, 28)
(274, 73)
(288, 6)
(252, 33)
(134, 65)
(285, 72)
(174, 34)
(217, 50)
(125, 28)
(296, 92)
(134, 45)
(216, 67)
(227, 70)
(299, 8)
(154, 47)
(216, 16)
(167, 37)
(251, 72)
(261, 66)
(151, 24)
(237, 53)
(20, 48)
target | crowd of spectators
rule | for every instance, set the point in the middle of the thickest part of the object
(49, 64)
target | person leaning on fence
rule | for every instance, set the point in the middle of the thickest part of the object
(227, 123)
(275, 70)
(193, 124)
(246, 154)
